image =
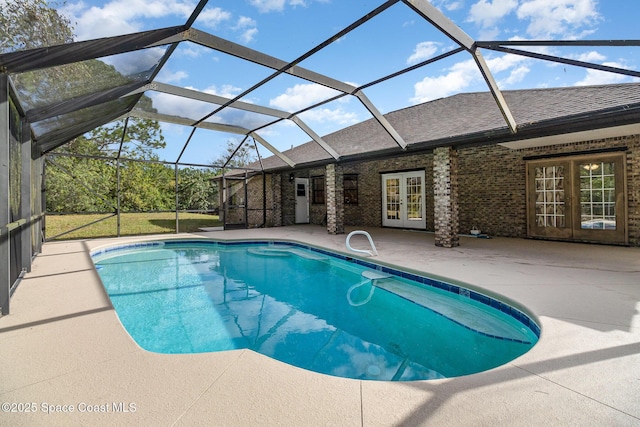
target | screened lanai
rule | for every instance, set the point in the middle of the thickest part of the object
(51, 94)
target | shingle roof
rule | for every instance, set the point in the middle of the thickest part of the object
(469, 118)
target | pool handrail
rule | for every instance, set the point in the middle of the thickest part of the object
(373, 252)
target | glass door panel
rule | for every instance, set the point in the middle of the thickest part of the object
(550, 204)
(549, 207)
(599, 189)
(403, 200)
(392, 186)
(392, 200)
(597, 196)
(414, 198)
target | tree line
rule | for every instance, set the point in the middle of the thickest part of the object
(77, 178)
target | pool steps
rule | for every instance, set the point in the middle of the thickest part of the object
(286, 252)
(370, 276)
(459, 311)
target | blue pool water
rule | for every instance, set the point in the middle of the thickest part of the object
(309, 308)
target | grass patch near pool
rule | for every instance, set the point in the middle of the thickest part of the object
(131, 224)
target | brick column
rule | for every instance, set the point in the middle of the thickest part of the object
(276, 188)
(335, 199)
(445, 192)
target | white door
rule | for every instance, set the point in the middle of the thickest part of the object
(302, 200)
(403, 200)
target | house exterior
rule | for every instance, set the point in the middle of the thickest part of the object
(570, 172)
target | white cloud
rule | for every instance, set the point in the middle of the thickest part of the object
(458, 77)
(301, 96)
(248, 28)
(228, 91)
(179, 106)
(567, 19)
(195, 110)
(487, 13)
(190, 108)
(122, 16)
(192, 50)
(129, 16)
(515, 65)
(245, 22)
(504, 63)
(592, 56)
(248, 36)
(422, 51)
(515, 76)
(448, 4)
(596, 77)
(213, 17)
(559, 18)
(337, 116)
(465, 74)
(266, 6)
(131, 63)
(168, 76)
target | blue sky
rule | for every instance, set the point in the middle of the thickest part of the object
(391, 41)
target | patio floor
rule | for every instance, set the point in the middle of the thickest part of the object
(63, 344)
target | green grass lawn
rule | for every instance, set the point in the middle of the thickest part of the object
(131, 224)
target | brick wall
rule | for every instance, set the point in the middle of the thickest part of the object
(368, 211)
(633, 187)
(491, 186)
(255, 196)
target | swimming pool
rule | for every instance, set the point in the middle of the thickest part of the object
(307, 307)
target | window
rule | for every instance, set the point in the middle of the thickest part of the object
(301, 190)
(317, 190)
(350, 185)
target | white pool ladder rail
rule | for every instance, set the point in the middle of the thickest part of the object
(371, 252)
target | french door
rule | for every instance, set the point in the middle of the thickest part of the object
(577, 198)
(403, 202)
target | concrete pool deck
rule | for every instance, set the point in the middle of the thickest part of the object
(63, 344)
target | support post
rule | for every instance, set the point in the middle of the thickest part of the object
(177, 200)
(245, 183)
(335, 199)
(26, 188)
(277, 202)
(43, 196)
(445, 183)
(5, 256)
(124, 134)
(118, 197)
(38, 196)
